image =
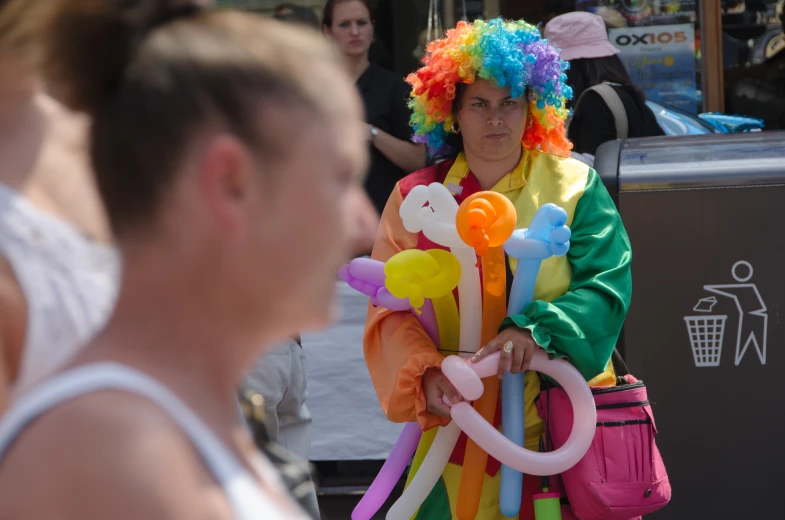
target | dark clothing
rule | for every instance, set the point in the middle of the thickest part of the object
(385, 95)
(593, 123)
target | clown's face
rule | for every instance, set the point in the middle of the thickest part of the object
(491, 121)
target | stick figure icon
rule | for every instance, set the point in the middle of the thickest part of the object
(753, 320)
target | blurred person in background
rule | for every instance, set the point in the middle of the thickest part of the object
(349, 24)
(58, 274)
(583, 40)
(217, 138)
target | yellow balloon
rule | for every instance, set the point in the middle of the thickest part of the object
(416, 275)
(433, 274)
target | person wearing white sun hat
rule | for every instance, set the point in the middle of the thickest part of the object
(604, 95)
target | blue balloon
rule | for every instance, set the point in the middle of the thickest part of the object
(546, 236)
(510, 493)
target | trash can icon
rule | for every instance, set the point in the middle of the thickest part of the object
(706, 334)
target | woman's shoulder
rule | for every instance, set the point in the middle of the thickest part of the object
(85, 438)
(424, 177)
(558, 164)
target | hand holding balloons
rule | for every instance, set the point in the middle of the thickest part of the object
(523, 460)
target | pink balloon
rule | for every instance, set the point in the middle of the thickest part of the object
(501, 448)
(466, 378)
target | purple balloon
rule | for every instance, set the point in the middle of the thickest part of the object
(367, 276)
(427, 318)
(400, 455)
(364, 287)
(367, 269)
(388, 301)
(343, 273)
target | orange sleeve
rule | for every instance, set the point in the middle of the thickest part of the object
(397, 349)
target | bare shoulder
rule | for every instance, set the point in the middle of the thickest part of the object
(107, 455)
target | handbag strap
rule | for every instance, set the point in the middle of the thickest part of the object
(614, 104)
(619, 366)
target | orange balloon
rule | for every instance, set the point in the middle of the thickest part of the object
(485, 219)
(494, 310)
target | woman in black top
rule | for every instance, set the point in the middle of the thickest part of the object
(593, 60)
(385, 94)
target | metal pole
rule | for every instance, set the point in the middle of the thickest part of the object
(428, 34)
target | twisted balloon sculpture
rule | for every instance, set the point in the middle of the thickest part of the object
(546, 236)
(433, 274)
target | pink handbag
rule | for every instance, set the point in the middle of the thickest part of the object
(622, 476)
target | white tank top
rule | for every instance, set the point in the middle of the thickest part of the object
(69, 283)
(242, 490)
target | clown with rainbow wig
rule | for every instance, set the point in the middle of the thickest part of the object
(490, 104)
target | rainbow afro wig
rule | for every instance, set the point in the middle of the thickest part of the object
(509, 54)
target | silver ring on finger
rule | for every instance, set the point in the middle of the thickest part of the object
(507, 348)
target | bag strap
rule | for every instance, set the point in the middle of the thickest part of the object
(619, 366)
(614, 104)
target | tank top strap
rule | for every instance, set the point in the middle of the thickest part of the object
(74, 383)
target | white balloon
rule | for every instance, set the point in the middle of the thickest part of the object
(411, 207)
(438, 224)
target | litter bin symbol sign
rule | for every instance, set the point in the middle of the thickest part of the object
(706, 334)
(706, 330)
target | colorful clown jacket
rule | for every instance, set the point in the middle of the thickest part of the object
(580, 303)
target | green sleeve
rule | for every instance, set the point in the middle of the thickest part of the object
(584, 324)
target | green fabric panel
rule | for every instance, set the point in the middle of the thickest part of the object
(437, 505)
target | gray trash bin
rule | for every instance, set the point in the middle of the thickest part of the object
(706, 218)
